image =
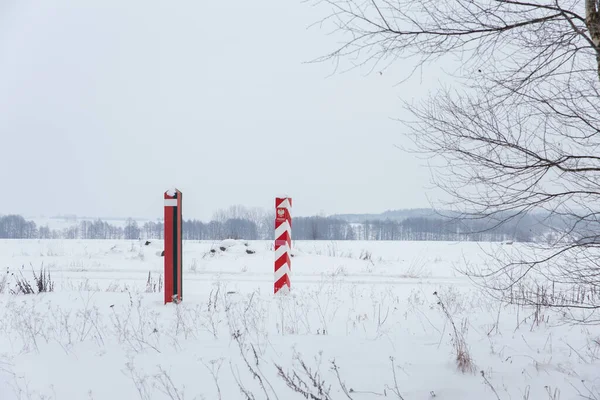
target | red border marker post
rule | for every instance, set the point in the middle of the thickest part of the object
(173, 242)
(283, 244)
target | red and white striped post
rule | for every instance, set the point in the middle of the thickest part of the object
(173, 242)
(283, 244)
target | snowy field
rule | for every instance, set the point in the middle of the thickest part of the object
(362, 322)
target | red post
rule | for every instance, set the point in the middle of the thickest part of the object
(173, 242)
(283, 244)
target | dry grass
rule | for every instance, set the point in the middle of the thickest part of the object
(464, 361)
(42, 282)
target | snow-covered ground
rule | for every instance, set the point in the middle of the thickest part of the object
(362, 322)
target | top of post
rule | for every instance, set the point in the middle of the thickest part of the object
(283, 202)
(172, 193)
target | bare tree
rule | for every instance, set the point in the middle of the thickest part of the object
(518, 133)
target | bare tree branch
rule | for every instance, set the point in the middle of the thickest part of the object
(517, 136)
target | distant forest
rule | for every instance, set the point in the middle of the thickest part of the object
(239, 222)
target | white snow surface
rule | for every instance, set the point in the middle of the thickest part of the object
(227, 243)
(104, 332)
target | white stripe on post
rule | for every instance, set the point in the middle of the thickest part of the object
(281, 229)
(281, 251)
(285, 204)
(281, 272)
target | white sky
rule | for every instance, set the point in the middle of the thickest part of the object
(105, 104)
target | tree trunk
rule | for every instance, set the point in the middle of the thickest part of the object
(592, 20)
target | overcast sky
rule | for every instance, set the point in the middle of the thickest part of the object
(105, 104)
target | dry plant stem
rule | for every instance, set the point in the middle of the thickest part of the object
(248, 395)
(590, 395)
(254, 369)
(463, 358)
(214, 372)
(260, 373)
(167, 386)
(488, 383)
(314, 388)
(552, 394)
(339, 378)
(367, 392)
(395, 389)
(298, 385)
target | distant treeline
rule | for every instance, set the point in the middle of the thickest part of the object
(255, 224)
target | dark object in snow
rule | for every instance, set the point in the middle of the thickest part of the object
(248, 251)
(223, 248)
(43, 282)
(213, 251)
(162, 254)
(147, 243)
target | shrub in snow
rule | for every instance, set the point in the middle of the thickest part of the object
(4, 282)
(194, 265)
(43, 283)
(153, 285)
(365, 255)
(464, 362)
